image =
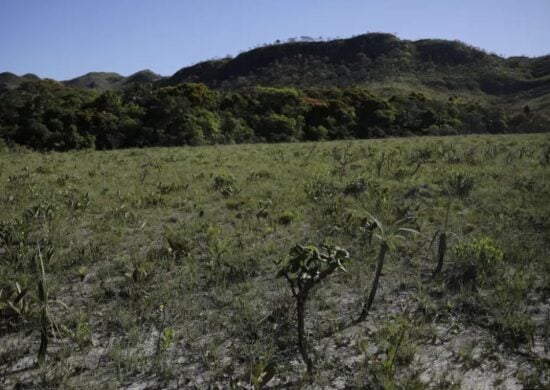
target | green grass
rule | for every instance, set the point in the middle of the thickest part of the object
(186, 239)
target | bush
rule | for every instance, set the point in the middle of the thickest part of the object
(222, 181)
(286, 217)
(460, 184)
(476, 261)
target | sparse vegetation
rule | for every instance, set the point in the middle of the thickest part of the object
(168, 278)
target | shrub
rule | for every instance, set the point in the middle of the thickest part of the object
(356, 187)
(286, 217)
(460, 184)
(476, 260)
(306, 267)
(222, 181)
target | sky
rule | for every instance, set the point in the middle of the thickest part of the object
(62, 39)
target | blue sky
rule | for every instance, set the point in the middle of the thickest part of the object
(62, 39)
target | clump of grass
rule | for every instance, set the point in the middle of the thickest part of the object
(460, 183)
(222, 181)
(356, 187)
(287, 217)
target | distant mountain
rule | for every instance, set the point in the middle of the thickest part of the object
(9, 80)
(100, 81)
(104, 80)
(95, 80)
(383, 63)
(143, 76)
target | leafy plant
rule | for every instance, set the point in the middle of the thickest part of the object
(356, 187)
(344, 158)
(166, 334)
(477, 259)
(15, 305)
(179, 245)
(387, 243)
(306, 267)
(262, 373)
(460, 184)
(45, 314)
(222, 181)
(76, 201)
(225, 184)
(286, 217)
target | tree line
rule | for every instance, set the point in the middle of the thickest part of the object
(45, 115)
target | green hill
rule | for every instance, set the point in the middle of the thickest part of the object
(95, 80)
(102, 81)
(369, 86)
(143, 76)
(382, 63)
(9, 80)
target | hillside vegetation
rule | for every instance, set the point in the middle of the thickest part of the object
(377, 61)
(373, 85)
(165, 267)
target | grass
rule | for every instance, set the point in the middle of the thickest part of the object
(166, 260)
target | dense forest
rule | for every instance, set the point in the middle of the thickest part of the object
(369, 86)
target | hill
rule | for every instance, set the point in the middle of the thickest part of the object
(382, 63)
(369, 86)
(98, 81)
(95, 80)
(9, 80)
(103, 81)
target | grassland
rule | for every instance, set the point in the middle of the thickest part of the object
(160, 264)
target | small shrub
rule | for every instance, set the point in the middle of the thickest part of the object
(286, 217)
(460, 184)
(306, 267)
(15, 307)
(476, 261)
(82, 331)
(223, 181)
(514, 328)
(356, 187)
(42, 212)
(179, 245)
(76, 201)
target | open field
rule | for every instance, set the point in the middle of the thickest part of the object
(160, 265)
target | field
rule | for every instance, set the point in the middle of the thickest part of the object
(158, 268)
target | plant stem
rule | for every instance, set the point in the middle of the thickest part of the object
(302, 339)
(377, 273)
(442, 247)
(43, 297)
